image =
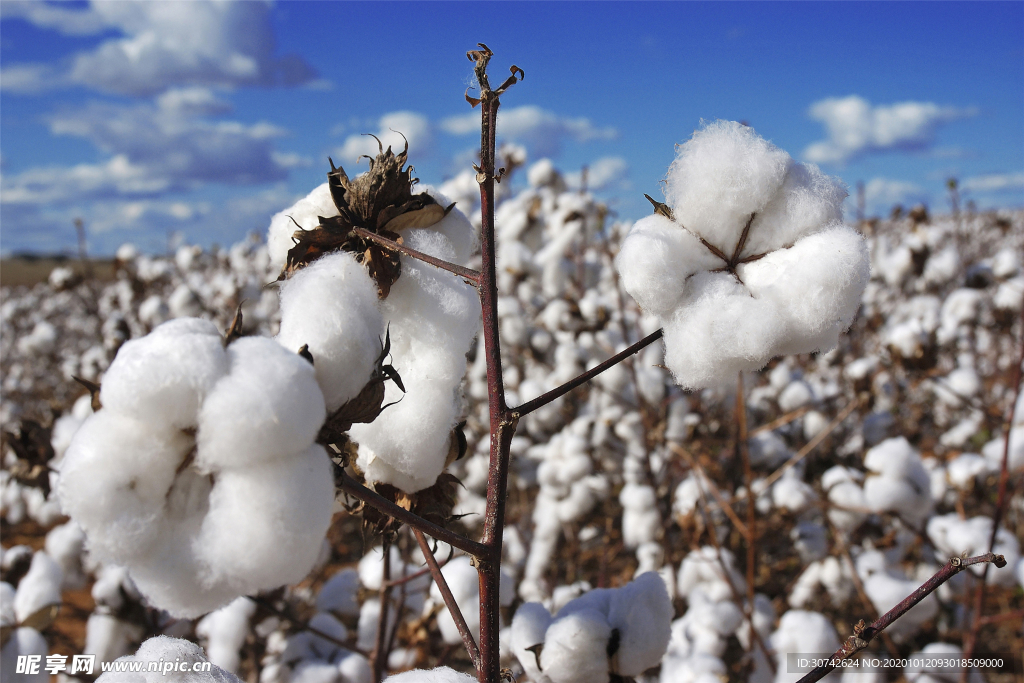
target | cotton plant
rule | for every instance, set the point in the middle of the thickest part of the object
(749, 258)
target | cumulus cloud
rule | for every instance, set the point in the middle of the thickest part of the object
(604, 174)
(155, 149)
(541, 130)
(165, 44)
(390, 129)
(856, 128)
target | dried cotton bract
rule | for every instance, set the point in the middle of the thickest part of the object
(748, 260)
(200, 474)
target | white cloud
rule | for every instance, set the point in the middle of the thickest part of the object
(29, 78)
(856, 128)
(541, 130)
(165, 44)
(880, 194)
(995, 182)
(59, 17)
(154, 150)
(604, 174)
(391, 127)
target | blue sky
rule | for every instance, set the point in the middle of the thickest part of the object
(200, 120)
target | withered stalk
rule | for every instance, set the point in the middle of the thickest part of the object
(380, 654)
(461, 271)
(864, 635)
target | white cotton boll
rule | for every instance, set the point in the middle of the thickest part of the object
(720, 176)
(965, 468)
(441, 674)
(791, 493)
(801, 631)
(920, 670)
(7, 615)
(810, 540)
(340, 594)
(167, 649)
(993, 451)
(1006, 263)
(108, 637)
(767, 449)
(900, 484)
(41, 340)
(304, 213)
(24, 642)
(796, 395)
(463, 581)
(1010, 294)
(266, 523)
(718, 331)
(544, 174)
(225, 631)
(961, 307)
(807, 200)
(354, 667)
(942, 266)
(120, 510)
(656, 258)
(331, 306)
(314, 671)
(953, 536)
(529, 625)
(641, 520)
(371, 566)
(39, 588)
(65, 544)
(267, 406)
(153, 311)
(455, 226)
(66, 425)
(163, 377)
(575, 648)
(704, 569)
(642, 612)
(886, 591)
(815, 285)
(813, 424)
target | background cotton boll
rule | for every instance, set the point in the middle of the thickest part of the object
(23, 642)
(42, 339)
(718, 331)
(529, 625)
(266, 522)
(166, 649)
(575, 648)
(269, 405)
(163, 377)
(39, 588)
(305, 213)
(441, 674)
(65, 544)
(802, 631)
(108, 637)
(655, 260)
(816, 286)
(807, 200)
(901, 483)
(993, 450)
(886, 591)
(642, 612)
(340, 594)
(119, 510)
(225, 631)
(720, 176)
(331, 305)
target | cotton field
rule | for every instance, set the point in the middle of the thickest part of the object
(685, 517)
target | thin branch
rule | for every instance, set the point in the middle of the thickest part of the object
(376, 501)
(719, 498)
(743, 452)
(380, 644)
(862, 635)
(781, 421)
(449, 599)
(557, 392)
(467, 273)
(422, 572)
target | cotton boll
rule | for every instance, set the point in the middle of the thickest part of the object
(302, 215)
(641, 611)
(119, 511)
(39, 588)
(163, 377)
(24, 642)
(886, 591)
(724, 173)
(166, 649)
(225, 631)
(108, 637)
(916, 673)
(455, 226)
(901, 483)
(268, 405)
(801, 631)
(266, 523)
(331, 306)
(965, 468)
(718, 331)
(575, 648)
(529, 625)
(340, 594)
(641, 520)
(953, 536)
(993, 451)
(767, 449)
(796, 395)
(807, 200)
(655, 260)
(65, 544)
(441, 674)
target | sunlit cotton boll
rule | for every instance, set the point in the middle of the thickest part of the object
(331, 306)
(172, 651)
(897, 481)
(303, 215)
(441, 674)
(200, 474)
(806, 271)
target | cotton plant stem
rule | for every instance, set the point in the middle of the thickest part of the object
(748, 477)
(422, 572)
(780, 421)
(380, 644)
(719, 498)
(375, 500)
(863, 635)
(1001, 500)
(449, 599)
(461, 271)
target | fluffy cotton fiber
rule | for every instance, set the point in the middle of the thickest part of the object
(799, 290)
(200, 474)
